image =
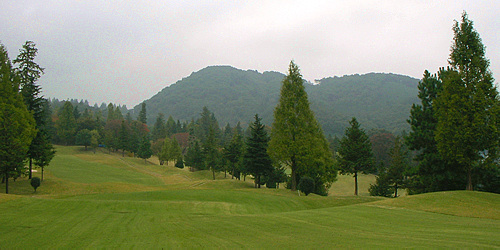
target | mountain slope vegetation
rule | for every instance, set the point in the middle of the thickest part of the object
(379, 101)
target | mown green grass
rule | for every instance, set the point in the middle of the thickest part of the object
(152, 206)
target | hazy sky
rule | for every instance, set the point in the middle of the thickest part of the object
(126, 51)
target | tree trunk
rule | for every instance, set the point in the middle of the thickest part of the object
(395, 190)
(294, 174)
(356, 183)
(42, 173)
(213, 172)
(258, 181)
(31, 160)
(6, 182)
(469, 179)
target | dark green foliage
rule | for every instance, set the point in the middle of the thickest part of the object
(194, 156)
(392, 178)
(382, 186)
(66, 124)
(433, 173)
(378, 100)
(159, 128)
(211, 153)
(83, 138)
(233, 153)
(355, 153)
(123, 138)
(17, 126)
(179, 163)
(276, 176)
(145, 149)
(306, 185)
(297, 140)
(35, 182)
(256, 159)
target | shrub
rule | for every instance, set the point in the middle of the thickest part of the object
(306, 185)
(35, 182)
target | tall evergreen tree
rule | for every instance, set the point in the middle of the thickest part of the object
(355, 153)
(142, 114)
(233, 153)
(211, 153)
(29, 72)
(66, 125)
(159, 129)
(433, 172)
(468, 107)
(297, 140)
(256, 159)
(17, 125)
(123, 138)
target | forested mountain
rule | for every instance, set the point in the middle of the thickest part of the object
(380, 101)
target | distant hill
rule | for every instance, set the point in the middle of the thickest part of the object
(380, 101)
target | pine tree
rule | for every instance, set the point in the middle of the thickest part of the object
(17, 125)
(355, 153)
(194, 156)
(433, 172)
(29, 72)
(123, 138)
(297, 140)
(256, 159)
(468, 107)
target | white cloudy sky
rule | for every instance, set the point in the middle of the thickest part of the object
(126, 51)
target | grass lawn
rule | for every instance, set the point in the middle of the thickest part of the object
(106, 201)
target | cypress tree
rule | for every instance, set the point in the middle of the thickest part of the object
(297, 140)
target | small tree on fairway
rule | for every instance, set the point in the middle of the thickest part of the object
(306, 185)
(256, 159)
(84, 138)
(145, 149)
(179, 163)
(355, 153)
(211, 153)
(35, 182)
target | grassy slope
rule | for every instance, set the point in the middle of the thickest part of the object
(168, 207)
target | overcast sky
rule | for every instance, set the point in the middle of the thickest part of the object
(126, 51)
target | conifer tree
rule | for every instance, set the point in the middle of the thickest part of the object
(468, 107)
(211, 153)
(355, 153)
(145, 151)
(159, 129)
(256, 159)
(297, 140)
(29, 72)
(17, 125)
(233, 153)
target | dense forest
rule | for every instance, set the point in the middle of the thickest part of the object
(380, 101)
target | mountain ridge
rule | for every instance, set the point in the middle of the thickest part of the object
(377, 100)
